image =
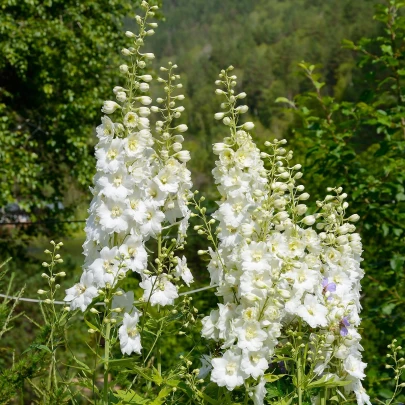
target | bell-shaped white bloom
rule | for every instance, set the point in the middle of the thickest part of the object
(82, 293)
(129, 336)
(105, 131)
(183, 271)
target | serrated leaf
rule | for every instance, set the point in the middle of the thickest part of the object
(164, 392)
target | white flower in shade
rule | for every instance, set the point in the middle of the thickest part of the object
(227, 371)
(183, 271)
(250, 336)
(105, 131)
(129, 336)
(112, 216)
(206, 366)
(254, 363)
(110, 157)
(259, 393)
(115, 186)
(360, 392)
(124, 301)
(313, 312)
(81, 294)
(354, 366)
(209, 329)
(153, 222)
(159, 290)
(109, 107)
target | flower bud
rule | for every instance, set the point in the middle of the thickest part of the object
(145, 100)
(121, 96)
(183, 156)
(309, 220)
(144, 111)
(247, 126)
(143, 87)
(182, 128)
(303, 197)
(353, 218)
(130, 34)
(109, 107)
(242, 109)
(149, 56)
(124, 68)
(219, 116)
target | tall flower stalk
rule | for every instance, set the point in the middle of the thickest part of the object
(290, 294)
(140, 194)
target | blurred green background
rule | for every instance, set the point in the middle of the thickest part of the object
(345, 123)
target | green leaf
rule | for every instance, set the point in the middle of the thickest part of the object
(131, 397)
(273, 377)
(164, 392)
(90, 325)
(387, 49)
(325, 382)
(282, 100)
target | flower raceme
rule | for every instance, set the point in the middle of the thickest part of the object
(279, 274)
(141, 189)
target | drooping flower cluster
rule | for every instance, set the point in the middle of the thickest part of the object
(274, 272)
(141, 190)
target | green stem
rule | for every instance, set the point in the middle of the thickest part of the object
(324, 395)
(299, 379)
(106, 359)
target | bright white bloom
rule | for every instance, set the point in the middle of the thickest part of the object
(312, 312)
(140, 189)
(81, 294)
(183, 271)
(227, 371)
(276, 274)
(159, 291)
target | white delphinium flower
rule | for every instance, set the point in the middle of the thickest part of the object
(275, 273)
(130, 338)
(82, 293)
(158, 290)
(227, 371)
(142, 187)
